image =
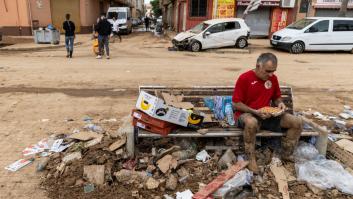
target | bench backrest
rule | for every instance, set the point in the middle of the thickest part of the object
(196, 94)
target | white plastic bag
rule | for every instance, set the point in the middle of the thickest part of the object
(320, 172)
(203, 156)
(305, 152)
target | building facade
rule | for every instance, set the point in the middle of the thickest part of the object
(322, 8)
(20, 17)
(271, 16)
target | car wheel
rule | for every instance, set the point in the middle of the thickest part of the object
(195, 46)
(241, 43)
(297, 47)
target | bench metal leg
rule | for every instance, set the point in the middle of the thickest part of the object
(322, 139)
(130, 142)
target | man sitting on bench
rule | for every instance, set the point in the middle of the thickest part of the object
(256, 89)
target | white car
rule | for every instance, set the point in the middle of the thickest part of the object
(316, 34)
(123, 16)
(214, 33)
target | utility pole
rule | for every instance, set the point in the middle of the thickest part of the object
(343, 9)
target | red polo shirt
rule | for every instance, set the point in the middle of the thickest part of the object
(255, 92)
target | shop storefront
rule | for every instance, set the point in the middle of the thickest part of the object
(268, 18)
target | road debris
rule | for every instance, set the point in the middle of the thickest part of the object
(94, 173)
(19, 164)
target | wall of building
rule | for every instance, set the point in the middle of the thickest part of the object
(15, 17)
(40, 11)
(193, 21)
(310, 11)
(89, 12)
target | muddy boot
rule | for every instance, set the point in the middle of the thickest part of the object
(67, 54)
(250, 152)
(71, 53)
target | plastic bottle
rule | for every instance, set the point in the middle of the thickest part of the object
(229, 114)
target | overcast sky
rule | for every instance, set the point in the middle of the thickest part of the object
(147, 1)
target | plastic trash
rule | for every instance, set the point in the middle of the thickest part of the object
(305, 151)
(42, 163)
(229, 114)
(243, 177)
(325, 174)
(87, 119)
(203, 156)
(209, 102)
(88, 188)
(320, 172)
(93, 127)
(187, 194)
(218, 108)
(226, 100)
(19, 164)
(166, 196)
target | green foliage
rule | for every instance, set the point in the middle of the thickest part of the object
(156, 8)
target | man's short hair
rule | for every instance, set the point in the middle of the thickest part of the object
(265, 57)
(67, 16)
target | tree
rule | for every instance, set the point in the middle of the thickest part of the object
(156, 8)
(343, 9)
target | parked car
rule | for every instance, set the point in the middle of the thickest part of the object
(134, 22)
(123, 16)
(316, 34)
(214, 33)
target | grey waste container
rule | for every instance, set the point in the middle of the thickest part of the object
(46, 36)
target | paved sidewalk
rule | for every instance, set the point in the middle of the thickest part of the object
(31, 46)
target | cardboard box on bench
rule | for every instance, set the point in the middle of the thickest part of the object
(156, 108)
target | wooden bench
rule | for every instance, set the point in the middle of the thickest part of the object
(195, 95)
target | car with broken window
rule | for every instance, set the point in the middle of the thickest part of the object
(316, 34)
(215, 33)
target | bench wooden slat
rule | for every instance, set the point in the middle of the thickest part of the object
(217, 133)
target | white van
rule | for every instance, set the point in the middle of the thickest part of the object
(316, 34)
(214, 33)
(123, 15)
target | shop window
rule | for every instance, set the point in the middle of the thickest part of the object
(342, 25)
(198, 8)
(304, 4)
(216, 28)
(231, 25)
(321, 26)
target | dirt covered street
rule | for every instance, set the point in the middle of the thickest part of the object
(43, 92)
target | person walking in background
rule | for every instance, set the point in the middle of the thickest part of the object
(147, 23)
(104, 29)
(69, 28)
(116, 29)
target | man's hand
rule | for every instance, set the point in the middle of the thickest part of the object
(282, 106)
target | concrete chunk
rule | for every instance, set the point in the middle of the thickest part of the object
(94, 173)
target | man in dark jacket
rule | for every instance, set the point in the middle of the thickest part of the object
(104, 29)
(147, 23)
(69, 28)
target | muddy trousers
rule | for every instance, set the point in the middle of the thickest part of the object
(249, 145)
(289, 142)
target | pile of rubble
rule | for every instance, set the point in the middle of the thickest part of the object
(92, 162)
